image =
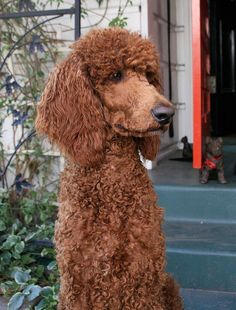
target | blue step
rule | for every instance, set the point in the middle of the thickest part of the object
(200, 228)
(198, 202)
(202, 269)
(208, 300)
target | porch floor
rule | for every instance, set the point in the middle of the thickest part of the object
(175, 172)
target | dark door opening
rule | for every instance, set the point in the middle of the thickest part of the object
(223, 66)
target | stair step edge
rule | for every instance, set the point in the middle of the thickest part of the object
(195, 188)
(195, 299)
(191, 220)
(198, 290)
(184, 251)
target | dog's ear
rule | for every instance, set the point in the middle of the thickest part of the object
(149, 146)
(71, 115)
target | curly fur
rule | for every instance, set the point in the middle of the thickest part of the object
(110, 247)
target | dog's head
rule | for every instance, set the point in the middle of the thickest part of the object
(214, 146)
(110, 81)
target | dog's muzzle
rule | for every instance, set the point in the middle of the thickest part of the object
(163, 114)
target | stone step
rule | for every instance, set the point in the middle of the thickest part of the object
(198, 203)
(203, 269)
(200, 229)
(208, 300)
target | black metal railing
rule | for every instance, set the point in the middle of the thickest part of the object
(76, 11)
(61, 12)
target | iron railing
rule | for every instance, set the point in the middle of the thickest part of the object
(76, 10)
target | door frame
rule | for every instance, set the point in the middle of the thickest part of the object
(201, 74)
(197, 81)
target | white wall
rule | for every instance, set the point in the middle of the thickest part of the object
(99, 17)
(184, 68)
(181, 60)
(158, 33)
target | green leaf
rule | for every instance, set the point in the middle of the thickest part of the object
(4, 287)
(14, 270)
(16, 225)
(19, 247)
(44, 252)
(28, 218)
(2, 226)
(30, 236)
(34, 291)
(22, 277)
(41, 305)
(16, 301)
(26, 259)
(39, 270)
(16, 255)
(22, 231)
(5, 257)
(46, 291)
(118, 21)
(10, 242)
(40, 73)
(52, 265)
(26, 291)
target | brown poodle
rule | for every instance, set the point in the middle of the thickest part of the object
(102, 106)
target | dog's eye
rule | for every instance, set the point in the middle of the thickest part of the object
(116, 77)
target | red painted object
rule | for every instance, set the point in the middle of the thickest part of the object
(201, 70)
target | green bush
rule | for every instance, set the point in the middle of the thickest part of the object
(28, 270)
(28, 207)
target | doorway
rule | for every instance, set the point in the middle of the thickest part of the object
(223, 67)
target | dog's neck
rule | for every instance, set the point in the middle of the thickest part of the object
(121, 149)
(117, 144)
(119, 152)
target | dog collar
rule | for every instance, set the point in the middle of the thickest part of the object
(211, 162)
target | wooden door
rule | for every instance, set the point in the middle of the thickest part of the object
(201, 72)
(223, 66)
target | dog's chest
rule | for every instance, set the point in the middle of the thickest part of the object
(119, 189)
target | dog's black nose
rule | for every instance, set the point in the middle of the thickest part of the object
(162, 114)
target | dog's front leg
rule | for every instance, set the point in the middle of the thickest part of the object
(221, 176)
